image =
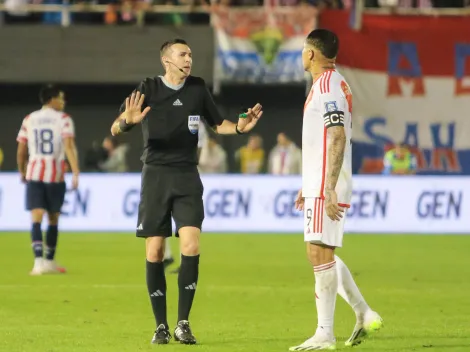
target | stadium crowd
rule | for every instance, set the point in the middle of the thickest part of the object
(252, 158)
(128, 11)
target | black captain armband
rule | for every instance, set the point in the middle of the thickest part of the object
(334, 118)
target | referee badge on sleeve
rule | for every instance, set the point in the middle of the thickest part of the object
(193, 123)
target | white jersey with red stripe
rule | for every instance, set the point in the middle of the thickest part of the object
(43, 131)
(328, 104)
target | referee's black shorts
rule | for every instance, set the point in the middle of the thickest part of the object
(166, 192)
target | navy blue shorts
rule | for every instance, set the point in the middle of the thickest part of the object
(47, 196)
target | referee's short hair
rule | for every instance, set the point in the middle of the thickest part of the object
(168, 44)
(48, 92)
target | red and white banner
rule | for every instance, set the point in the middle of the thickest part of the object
(410, 80)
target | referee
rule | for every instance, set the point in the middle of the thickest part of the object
(169, 109)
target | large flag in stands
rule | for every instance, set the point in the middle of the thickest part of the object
(261, 45)
(410, 79)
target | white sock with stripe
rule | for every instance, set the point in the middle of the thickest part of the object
(326, 289)
(348, 289)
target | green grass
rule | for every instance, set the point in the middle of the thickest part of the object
(255, 294)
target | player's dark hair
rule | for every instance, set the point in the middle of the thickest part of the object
(49, 92)
(324, 41)
(168, 44)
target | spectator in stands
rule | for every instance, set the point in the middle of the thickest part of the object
(213, 159)
(417, 4)
(450, 3)
(285, 158)
(53, 17)
(117, 153)
(94, 156)
(14, 12)
(399, 161)
(169, 18)
(250, 158)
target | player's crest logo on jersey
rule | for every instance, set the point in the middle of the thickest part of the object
(193, 123)
(331, 106)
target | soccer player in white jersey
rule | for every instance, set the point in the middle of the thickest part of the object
(45, 135)
(168, 256)
(326, 191)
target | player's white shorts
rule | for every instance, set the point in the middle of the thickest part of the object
(318, 227)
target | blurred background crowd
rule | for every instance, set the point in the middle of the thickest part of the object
(274, 150)
(122, 12)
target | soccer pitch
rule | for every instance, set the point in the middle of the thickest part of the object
(255, 293)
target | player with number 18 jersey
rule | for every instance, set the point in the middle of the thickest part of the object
(43, 131)
(46, 135)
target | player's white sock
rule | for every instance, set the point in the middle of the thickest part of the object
(348, 289)
(167, 254)
(326, 289)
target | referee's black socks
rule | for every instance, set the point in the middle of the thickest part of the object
(187, 282)
(156, 285)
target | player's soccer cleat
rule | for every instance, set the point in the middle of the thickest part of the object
(372, 323)
(51, 267)
(183, 333)
(316, 343)
(162, 335)
(38, 268)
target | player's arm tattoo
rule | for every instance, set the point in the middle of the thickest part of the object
(337, 143)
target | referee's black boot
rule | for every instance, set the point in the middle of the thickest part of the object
(162, 335)
(183, 333)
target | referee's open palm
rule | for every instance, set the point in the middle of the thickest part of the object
(133, 112)
(247, 123)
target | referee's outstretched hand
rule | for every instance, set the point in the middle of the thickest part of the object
(246, 124)
(133, 112)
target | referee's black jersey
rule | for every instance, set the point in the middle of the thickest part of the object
(170, 129)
